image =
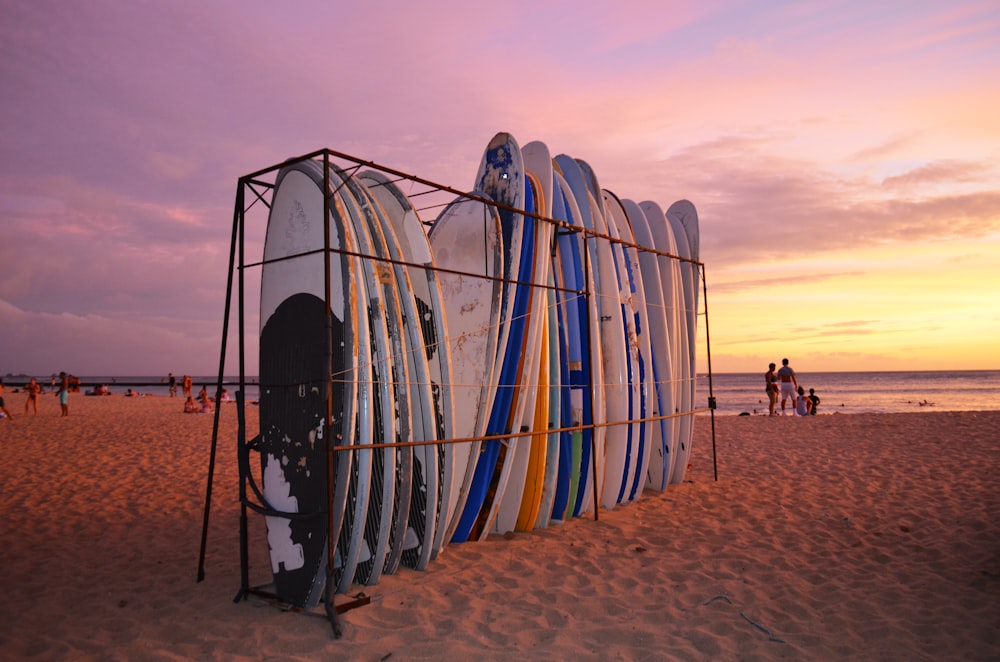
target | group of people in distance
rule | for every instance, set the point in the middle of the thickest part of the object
(203, 405)
(785, 383)
(33, 389)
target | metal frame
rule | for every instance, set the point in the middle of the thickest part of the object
(260, 186)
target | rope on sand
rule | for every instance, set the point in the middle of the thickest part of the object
(718, 597)
(722, 596)
(770, 637)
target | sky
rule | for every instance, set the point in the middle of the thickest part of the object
(844, 157)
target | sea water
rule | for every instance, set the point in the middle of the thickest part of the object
(735, 393)
(861, 392)
(145, 384)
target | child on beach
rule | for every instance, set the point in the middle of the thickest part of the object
(190, 406)
(814, 399)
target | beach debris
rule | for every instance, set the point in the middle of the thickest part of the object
(718, 597)
(770, 637)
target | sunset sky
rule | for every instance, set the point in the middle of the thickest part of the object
(844, 157)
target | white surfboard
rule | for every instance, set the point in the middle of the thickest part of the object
(660, 466)
(614, 350)
(390, 407)
(642, 379)
(501, 178)
(425, 337)
(430, 308)
(683, 220)
(468, 248)
(673, 300)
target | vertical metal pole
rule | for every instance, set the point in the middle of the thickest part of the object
(711, 393)
(590, 368)
(331, 460)
(237, 214)
(241, 440)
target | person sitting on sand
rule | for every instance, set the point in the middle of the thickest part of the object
(802, 404)
(225, 395)
(131, 394)
(32, 389)
(205, 401)
(814, 399)
(190, 406)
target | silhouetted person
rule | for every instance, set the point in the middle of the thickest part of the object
(788, 383)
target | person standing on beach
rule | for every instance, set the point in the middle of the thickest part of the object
(32, 389)
(788, 384)
(172, 382)
(187, 386)
(3, 407)
(63, 394)
(771, 388)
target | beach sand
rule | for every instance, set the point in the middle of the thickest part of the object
(869, 537)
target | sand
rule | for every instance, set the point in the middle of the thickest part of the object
(833, 537)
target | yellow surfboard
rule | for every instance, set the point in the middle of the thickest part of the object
(535, 480)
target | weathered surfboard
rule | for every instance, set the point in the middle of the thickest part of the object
(468, 248)
(306, 347)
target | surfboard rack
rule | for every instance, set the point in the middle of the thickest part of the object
(252, 205)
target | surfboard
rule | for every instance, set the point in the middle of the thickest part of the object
(390, 407)
(614, 350)
(537, 446)
(586, 354)
(673, 300)
(659, 466)
(557, 359)
(555, 508)
(650, 438)
(510, 486)
(468, 247)
(613, 215)
(501, 178)
(535, 512)
(683, 220)
(412, 264)
(570, 311)
(305, 350)
(414, 404)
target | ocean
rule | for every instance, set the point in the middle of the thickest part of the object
(143, 384)
(735, 393)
